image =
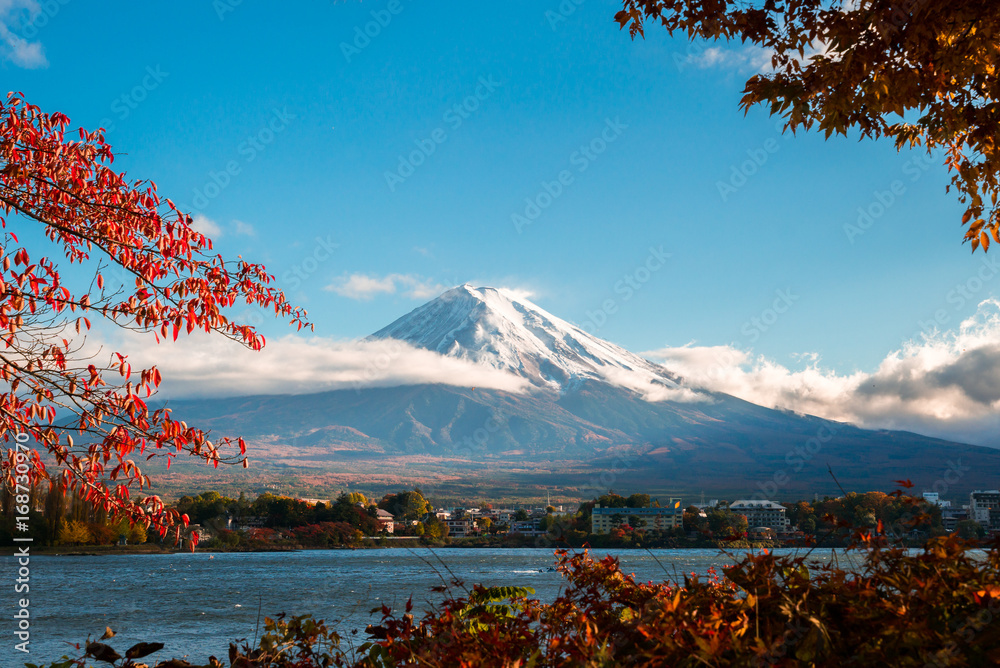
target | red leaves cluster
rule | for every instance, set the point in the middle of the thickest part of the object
(165, 281)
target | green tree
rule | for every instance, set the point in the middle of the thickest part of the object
(209, 508)
(718, 519)
(405, 506)
(638, 501)
(692, 519)
(612, 500)
(137, 534)
(282, 511)
(357, 497)
(801, 514)
(434, 528)
(73, 532)
(725, 522)
(921, 73)
(970, 529)
(55, 508)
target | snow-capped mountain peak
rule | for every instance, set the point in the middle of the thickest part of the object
(501, 329)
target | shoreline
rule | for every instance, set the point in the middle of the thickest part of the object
(459, 544)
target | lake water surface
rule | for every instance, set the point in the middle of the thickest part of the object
(198, 603)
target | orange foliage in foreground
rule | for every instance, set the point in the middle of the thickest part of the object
(932, 607)
(935, 608)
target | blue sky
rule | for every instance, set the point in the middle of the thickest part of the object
(185, 89)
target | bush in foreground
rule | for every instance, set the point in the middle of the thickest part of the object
(932, 607)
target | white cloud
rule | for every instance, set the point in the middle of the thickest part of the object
(215, 231)
(417, 288)
(364, 287)
(750, 58)
(21, 52)
(521, 293)
(243, 229)
(947, 385)
(650, 387)
(203, 365)
(206, 226)
(753, 58)
(359, 286)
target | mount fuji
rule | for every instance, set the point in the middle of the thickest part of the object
(499, 329)
(591, 414)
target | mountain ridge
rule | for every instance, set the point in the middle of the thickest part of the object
(592, 405)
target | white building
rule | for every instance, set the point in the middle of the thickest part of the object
(950, 517)
(386, 520)
(980, 504)
(761, 513)
(528, 528)
(603, 520)
(459, 527)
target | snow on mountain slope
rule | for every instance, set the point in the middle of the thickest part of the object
(499, 329)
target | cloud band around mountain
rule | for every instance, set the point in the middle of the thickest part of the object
(946, 385)
(210, 366)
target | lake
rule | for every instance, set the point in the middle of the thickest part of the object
(198, 603)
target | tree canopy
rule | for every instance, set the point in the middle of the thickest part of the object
(638, 501)
(921, 73)
(86, 412)
(405, 506)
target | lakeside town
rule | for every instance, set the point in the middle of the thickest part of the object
(272, 521)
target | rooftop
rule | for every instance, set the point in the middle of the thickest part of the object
(755, 503)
